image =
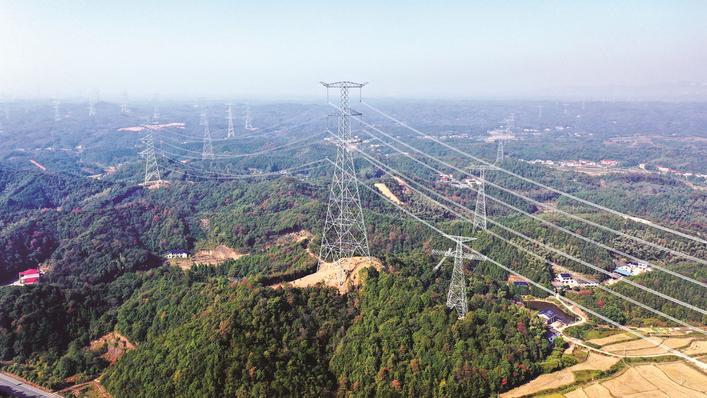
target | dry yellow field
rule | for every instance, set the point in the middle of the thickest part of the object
(669, 380)
(642, 347)
(612, 339)
(562, 377)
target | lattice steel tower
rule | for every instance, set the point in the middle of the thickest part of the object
(248, 123)
(480, 208)
(91, 107)
(207, 153)
(344, 233)
(500, 155)
(152, 171)
(57, 116)
(456, 296)
(231, 132)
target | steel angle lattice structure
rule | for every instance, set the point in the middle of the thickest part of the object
(456, 295)
(344, 233)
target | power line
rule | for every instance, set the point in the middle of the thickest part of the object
(393, 173)
(584, 201)
(225, 176)
(543, 205)
(696, 361)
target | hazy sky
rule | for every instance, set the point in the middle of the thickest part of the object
(403, 48)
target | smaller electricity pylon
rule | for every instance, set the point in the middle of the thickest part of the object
(499, 152)
(152, 171)
(91, 107)
(231, 132)
(456, 296)
(57, 115)
(156, 109)
(480, 208)
(248, 124)
(207, 152)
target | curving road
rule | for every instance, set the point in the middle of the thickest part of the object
(17, 388)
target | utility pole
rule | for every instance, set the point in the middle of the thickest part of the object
(231, 132)
(344, 234)
(152, 171)
(456, 295)
(207, 152)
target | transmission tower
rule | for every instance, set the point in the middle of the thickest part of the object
(156, 109)
(152, 171)
(248, 122)
(2, 131)
(456, 296)
(91, 108)
(124, 105)
(499, 152)
(207, 152)
(231, 132)
(57, 116)
(344, 233)
(480, 208)
(540, 111)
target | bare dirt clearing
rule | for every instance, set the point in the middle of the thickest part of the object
(115, 344)
(214, 256)
(642, 347)
(328, 272)
(387, 192)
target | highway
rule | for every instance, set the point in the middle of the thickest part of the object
(17, 388)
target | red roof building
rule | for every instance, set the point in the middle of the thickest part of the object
(30, 276)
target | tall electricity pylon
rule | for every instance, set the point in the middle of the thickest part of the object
(57, 116)
(207, 153)
(202, 117)
(231, 132)
(344, 233)
(540, 111)
(480, 208)
(152, 171)
(156, 109)
(456, 296)
(124, 105)
(91, 108)
(248, 124)
(499, 152)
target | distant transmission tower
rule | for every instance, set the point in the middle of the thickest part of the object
(152, 171)
(456, 296)
(91, 108)
(248, 122)
(480, 208)
(156, 109)
(511, 123)
(57, 116)
(207, 152)
(202, 118)
(231, 132)
(565, 108)
(499, 152)
(2, 130)
(344, 233)
(540, 111)
(124, 105)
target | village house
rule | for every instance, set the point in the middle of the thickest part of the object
(29, 277)
(176, 254)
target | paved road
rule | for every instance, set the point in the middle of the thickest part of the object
(17, 388)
